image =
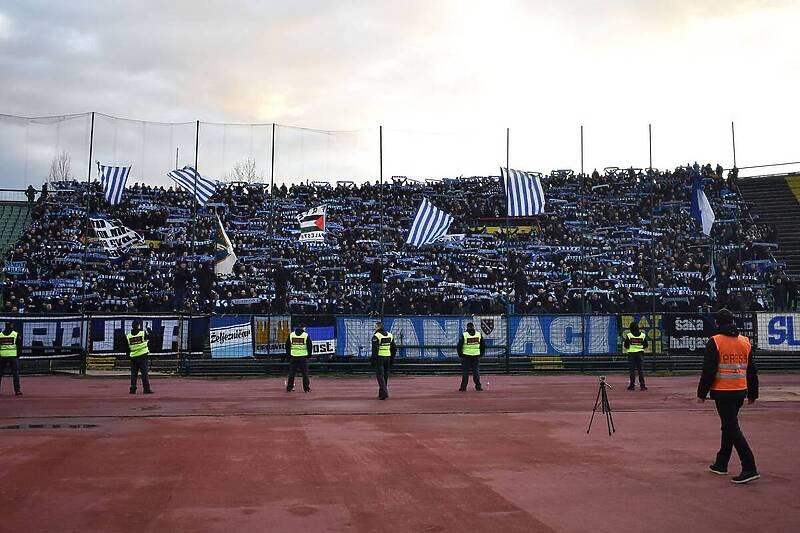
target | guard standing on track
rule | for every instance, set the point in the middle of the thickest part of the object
(383, 351)
(298, 349)
(471, 348)
(10, 346)
(633, 344)
(730, 373)
(139, 352)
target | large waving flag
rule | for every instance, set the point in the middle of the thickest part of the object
(312, 224)
(430, 223)
(113, 235)
(192, 182)
(701, 208)
(113, 180)
(224, 256)
(524, 193)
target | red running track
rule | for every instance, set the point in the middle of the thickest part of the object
(243, 455)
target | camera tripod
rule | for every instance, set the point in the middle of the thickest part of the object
(605, 407)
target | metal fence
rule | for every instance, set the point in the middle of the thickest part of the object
(256, 343)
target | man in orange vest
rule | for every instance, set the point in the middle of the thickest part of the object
(730, 373)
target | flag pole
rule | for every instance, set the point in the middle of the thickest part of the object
(87, 229)
(733, 143)
(380, 259)
(651, 178)
(581, 149)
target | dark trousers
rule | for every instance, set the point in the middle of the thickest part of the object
(12, 362)
(634, 366)
(732, 436)
(382, 375)
(295, 364)
(140, 364)
(470, 364)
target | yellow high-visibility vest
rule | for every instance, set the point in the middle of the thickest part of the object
(8, 344)
(137, 344)
(384, 344)
(298, 344)
(472, 344)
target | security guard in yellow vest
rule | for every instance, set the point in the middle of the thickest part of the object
(139, 353)
(10, 345)
(730, 373)
(470, 349)
(383, 351)
(298, 350)
(633, 344)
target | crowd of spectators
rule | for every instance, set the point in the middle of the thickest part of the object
(618, 241)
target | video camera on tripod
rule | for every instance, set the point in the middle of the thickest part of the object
(602, 401)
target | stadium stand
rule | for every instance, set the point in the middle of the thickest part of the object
(613, 242)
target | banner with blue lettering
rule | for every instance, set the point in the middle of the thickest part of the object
(108, 334)
(231, 336)
(434, 337)
(778, 332)
(562, 335)
(49, 337)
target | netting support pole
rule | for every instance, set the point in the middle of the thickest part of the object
(733, 143)
(508, 260)
(581, 149)
(87, 229)
(380, 259)
(652, 179)
(271, 188)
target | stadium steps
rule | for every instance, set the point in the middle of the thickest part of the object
(775, 200)
(14, 219)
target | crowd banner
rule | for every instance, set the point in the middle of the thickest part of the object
(231, 336)
(651, 325)
(271, 333)
(562, 335)
(322, 330)
(44, 338)
(109, 331)
(15, 268)
(689, 332)
(779, 332)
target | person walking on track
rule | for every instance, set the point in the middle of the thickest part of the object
(730, 373)
(470, 349)
(634, 343)
(298, 350)
(139, 352)
(383, 351)
(10, 346)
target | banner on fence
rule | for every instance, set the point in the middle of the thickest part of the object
(231, 336)
(48, 337)
(779, 332)
(562, 335)
(651, 325)
(438, 336)
(271, 333)
(108, 334)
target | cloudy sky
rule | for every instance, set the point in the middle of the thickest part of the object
(444, 77)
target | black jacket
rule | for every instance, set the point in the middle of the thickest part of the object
(710, 362)
(309, 345)
(460, 346)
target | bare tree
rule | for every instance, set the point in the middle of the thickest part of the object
(60, 168)
(246, 171)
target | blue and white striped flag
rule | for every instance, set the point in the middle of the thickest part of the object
(524, 193)
(113, 180)
(187, 177)
(430, 223)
